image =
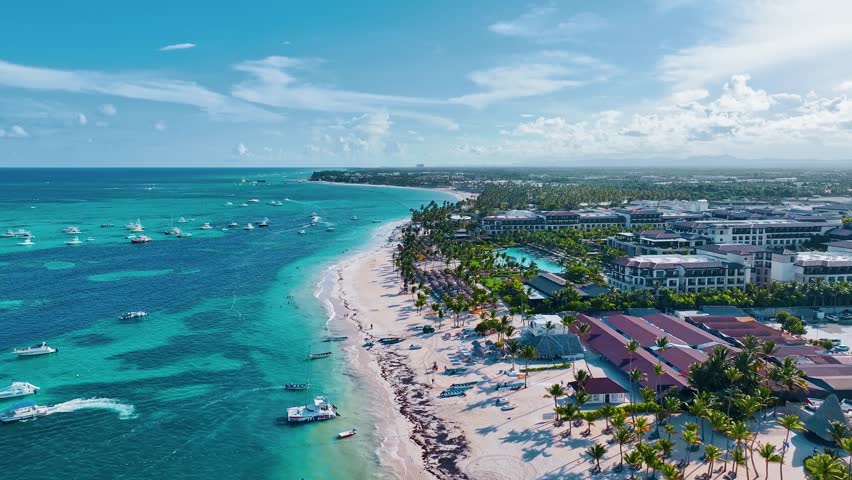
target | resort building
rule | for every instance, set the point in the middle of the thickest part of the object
(602, 390)
(775, 232)
(641, 217)
(587, 219)
(537, 325)
(513, 220)
(548, 285)
(842, 246)
(807, 267)
(607, 339)
(655, 242)
(683, 273)
(756, 257)
(841, 233)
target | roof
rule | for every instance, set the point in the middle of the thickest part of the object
(682, 357)
(662, 262)
(686, 332)
(741, 327)
(823, 259)
(636, 329)
(660, 235)
(736, 248)
(599, 386)
(769, 222)
(724, 310)
(555, 345)
(840, 232)
(560, 213)
(845, 244)
(829, 411)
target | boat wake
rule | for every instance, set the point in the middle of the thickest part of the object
(124, 410)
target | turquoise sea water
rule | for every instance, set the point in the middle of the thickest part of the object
(194, 389)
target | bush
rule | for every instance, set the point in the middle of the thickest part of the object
(560, 366)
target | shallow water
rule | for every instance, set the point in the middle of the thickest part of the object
(194, 389)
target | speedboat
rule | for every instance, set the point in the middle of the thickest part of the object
(302, 232)
(263, 223)
(297, 386)
(27, 242)
(354, 217)
(140, 239)
(35, 350)
(181, 220)
(18, 389)
(228, 204)
(233, 225)
(71, 230)
(320, 409)
(23, 411)
(76, 241)
(90, 239)
(9, 234)
(244, 204)
(313, 223)
(132, 315)
(253, 200)
(347, 433)
(249, 227)
(329, 229)
(206, 226)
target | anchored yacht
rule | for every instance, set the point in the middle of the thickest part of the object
(18, 389)
(207, 226)
(76, 241)
(40, 349)
(320, 409)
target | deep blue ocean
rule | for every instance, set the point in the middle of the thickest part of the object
(194, 389)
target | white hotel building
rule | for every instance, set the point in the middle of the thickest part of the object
(805, 267)
(683, 273)
(775, 232)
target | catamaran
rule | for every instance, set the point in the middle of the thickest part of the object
(40, 349)
(23, 411)
(18, 389)
(320, 409)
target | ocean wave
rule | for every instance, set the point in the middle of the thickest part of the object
(124, 410)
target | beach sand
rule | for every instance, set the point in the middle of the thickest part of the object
(470, 437)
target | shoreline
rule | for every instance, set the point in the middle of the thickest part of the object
(458, 194)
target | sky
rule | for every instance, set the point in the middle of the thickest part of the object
(443, 82)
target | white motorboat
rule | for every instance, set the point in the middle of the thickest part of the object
(76, 241)
(253, 200)
(263, 223)
(18, 389)
(9, 234)
(27, 242)
(40, 349)
(183, 235)
(90, 239)
(71, 231)
(206, 226)
(347, 433)
(354, 217)
(23, 411)
(302, 232)
(228, 204)
(249, 227)
(181, 220)
(329, 229)
(135, 227)
(244, 204)
(23, 233)
(320, 409)
(233, 225)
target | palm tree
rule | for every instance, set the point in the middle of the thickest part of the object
(740, 433)
(528, 353)
(635, 376)
(555, 391)
(767, 451)
(846, 445)
(838, 430)
(622, 437)
(597, 451)
(634, 459)
(513, 348)
(665, 446)
(640, 428)
(606, 412)
(825, 467)
(690, 437)
(659, 371)
(650, 458)
(712, 453)
(568, 321)
(671, 472)
(790, 423)
(583, 330)
(581, 378)
(568, 412)
(670, 430)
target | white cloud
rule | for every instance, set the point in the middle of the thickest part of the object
(758, 36)
(81, 119)
(138, 86)
(240, 150)
(108, 109)
(160, 126)
(742, 121)
(177, 46)
(541, 74)
(274, 83)
(546, 24)
(15, 131)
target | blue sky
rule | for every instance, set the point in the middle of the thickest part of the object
(441, 82)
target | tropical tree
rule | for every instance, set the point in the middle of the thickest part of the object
(597, 452)
(528, 353)
(846, 445)
(636, 376)
(568, 412)
(825, 467)
(650, 457)
(769, 454)
(640, 428)
(690, 437)
(671, 472)
(622, 436)
(634, 459)
(790, 423)
(606, 412)
(513, 349)
(712, 453)
(555, 391)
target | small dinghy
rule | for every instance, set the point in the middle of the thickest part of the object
(314, 356)
(347, 433)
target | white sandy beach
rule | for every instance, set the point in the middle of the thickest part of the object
(470, 437)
